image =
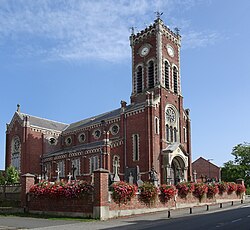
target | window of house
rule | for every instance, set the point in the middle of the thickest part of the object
(157, 125)
(166, 75)
(75, 164)
(94, 163)
(16, 152)
(139, 79)
(167, 133)
(61, 167)
(185, 134)
(171, 133)
(175, 80)
(151, 74)
(175, 134)
(136, 147)
(97, 133)
(81, 137)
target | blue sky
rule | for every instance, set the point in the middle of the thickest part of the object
(69, 60)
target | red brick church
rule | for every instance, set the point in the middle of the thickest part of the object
(150, 133)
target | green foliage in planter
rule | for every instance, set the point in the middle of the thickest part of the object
(148, 193)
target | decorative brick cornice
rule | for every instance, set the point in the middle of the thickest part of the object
(59, 157)
(90, 127)
(116, 143)
(131, 113)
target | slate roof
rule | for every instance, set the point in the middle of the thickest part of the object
(105, 116)
(76, 148)
(44, 123)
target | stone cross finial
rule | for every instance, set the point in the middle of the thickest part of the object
(69, 176)
(18, 108)
(58, 174)
(116, 177)
(158, 14)
(177, 30)
(131, 178)
(132, 28)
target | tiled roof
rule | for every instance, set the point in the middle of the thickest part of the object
(43, 123)
(76, 148)
(105, 116)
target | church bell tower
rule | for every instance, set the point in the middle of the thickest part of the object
(156, 82)
(155, 60)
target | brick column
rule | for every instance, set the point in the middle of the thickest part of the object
(101, 208)
(27, 180)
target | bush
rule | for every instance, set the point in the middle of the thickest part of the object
(240, 189)
(12, 175)
(248, 191)
(222, 186)
(148, 193)
(74, 189)
(184, 188)
(212, 190)
(167, 192)
(231, 187)
(200, 189)
(123, 192)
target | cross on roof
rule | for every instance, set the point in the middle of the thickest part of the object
(158, 14)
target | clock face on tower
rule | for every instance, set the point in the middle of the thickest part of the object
(144, 51)
(170, 50)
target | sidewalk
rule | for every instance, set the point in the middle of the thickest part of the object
(142, 221)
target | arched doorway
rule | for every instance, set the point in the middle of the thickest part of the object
(177, 170)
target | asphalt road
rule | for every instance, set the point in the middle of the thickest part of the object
(228, 217)
(225, 220)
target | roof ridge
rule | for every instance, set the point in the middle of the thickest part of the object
(43, 118)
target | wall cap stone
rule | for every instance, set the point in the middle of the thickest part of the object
(101, 170)
(28, 175)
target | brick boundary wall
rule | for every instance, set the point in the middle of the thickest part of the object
(101, 205)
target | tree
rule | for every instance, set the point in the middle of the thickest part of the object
(2, 178)
(12, 175)
(240, 167)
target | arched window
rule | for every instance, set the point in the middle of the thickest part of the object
(171, 134)
(175, 135)
(139, 79)
(167, 133)
(156, 125)
(135, 147)
(166, 75)
(151, 74)
(16, 152)
(175, 80)
(172, 124)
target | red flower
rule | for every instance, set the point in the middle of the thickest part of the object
(167, 192)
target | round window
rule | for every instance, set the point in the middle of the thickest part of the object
(97, 133)
(81, 137)
(52, 141)
(68, 141)
(114, 129)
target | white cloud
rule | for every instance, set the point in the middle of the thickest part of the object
(80, 29)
